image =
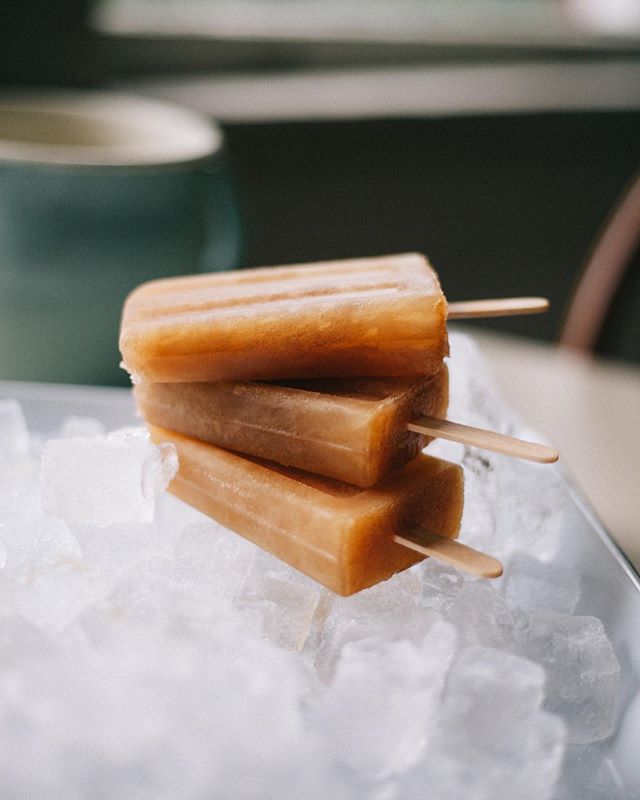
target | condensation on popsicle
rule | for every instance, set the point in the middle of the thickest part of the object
(353, 430)
(362, 317)
(337, 534)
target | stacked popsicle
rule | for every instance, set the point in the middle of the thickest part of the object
(299, 399)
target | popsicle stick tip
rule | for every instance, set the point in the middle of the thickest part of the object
(450, 551)
(494, 571)
(484, 439)
(497, 307)
(552, 456)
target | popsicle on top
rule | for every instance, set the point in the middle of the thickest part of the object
(352, 430)
(340, 535)
(383, 316)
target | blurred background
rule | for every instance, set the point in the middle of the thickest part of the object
(499, 137)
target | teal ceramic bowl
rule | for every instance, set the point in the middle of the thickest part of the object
(99, 192)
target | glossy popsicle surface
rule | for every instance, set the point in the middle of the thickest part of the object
(353, 430)
(360, 317)
(337, 534)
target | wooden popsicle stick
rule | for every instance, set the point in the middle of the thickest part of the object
(500, 307)
(450, 551)
(486, 440)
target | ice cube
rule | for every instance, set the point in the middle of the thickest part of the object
(50, 584)
(390, 610)
(478, 525)
(267, 565)
(6, 595)
(481, 617)
(83, 427)
(150, 591)
(494, 742)
(160, 461)
(14, 435)
(285, 608)
(208, 553)
(19, 489)
(54, 599)
(390, 694)
(581, 765)
(490, 699)
(606, 783)
(529, 772)
(509, 504)
(21, 643)
(36, 544)
(592, 777)
(105, 480)
(582, 672)
(158, 588)
(114, 551)
(529, 585)
(473, 397)
(173, 515)
(441, 584)
(532, 509)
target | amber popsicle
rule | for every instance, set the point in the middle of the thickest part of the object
(381, 316)
(353, 430)
(340, 535)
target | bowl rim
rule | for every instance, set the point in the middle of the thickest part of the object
(163, 135)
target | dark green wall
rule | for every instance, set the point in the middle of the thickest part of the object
(502, 205)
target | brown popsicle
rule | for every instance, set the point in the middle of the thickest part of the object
(381, 316)
(340, 535)
(353, 430)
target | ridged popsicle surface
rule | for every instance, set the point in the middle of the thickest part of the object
(361, 317)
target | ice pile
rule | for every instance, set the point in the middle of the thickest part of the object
(147, 653)
(510, 505)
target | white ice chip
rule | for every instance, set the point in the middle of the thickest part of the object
(105, 480)
(14, 436)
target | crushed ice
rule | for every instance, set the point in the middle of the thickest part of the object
(147, 653)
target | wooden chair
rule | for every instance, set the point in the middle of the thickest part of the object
(604, 311)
